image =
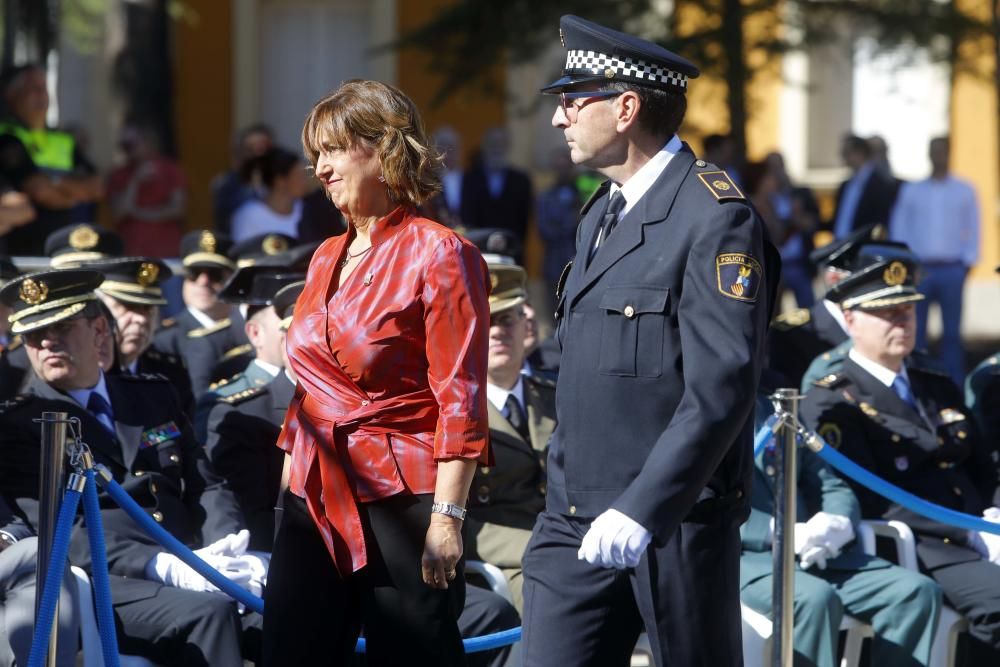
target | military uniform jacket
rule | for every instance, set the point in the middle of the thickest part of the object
(200, 347)
(14, 369)
(242, 431)
(660, 356)
(152, 455)
(936, 455)
(505, 498)
(982, 395)
(171, 367)
(253, 376)
(798, 337)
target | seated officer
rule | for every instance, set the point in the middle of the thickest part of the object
(132, 291)
(134, 426)
(69, 247)
(207, 328)
(505, 498)
(799, 336)
(908, 425)
(833, 575)
(982, 395)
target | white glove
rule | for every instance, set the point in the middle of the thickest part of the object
(233, 544)
(821, 538)
(258, 562)
(987, 544)
(614, 540)
(170, 570)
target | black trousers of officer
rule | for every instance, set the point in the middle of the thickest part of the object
(314, 616)
(685, 594)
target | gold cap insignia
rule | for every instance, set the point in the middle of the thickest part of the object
(609, 73)
(83, 238)
(147, 274)
(33, 293)
(879, 233)
(274, 244)
(895, 274)
(207, 242)
(721, 185)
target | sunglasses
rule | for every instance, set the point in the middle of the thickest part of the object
(215, 275)
(572, 110)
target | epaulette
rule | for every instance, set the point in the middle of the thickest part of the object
(224, 381)
(201, 332)
(791, 319)
(831, 381)
(718, 182)
(236, 351)
(241, 396)
(165, 357)
(601, 190)
(15, 343)
(167, 322)
(11, 403)
(145, 377)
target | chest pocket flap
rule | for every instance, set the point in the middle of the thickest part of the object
(632, 330)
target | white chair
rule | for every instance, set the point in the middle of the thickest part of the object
(497, 582)
(89, 634)
(758, 629)
(952, 623)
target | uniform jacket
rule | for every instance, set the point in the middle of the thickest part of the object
(798, 337)
(252, 376)
(391, 371)
(152, 455)
(172, 368)
(14, 369)
(506, 497)
(982, 395)
(938, 457)
(242, 431)
(660, 359)
(198, 346)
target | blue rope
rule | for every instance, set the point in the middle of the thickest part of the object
(764, 435)
(53, 579)
(898, 495)
(176, 547)
(473, 644)
(99, 560)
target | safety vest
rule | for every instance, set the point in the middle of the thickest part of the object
(50, 150)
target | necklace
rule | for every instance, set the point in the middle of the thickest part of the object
(349, 257)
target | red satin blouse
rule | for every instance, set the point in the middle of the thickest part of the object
(391, 371)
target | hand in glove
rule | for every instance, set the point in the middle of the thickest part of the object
(614, 540)
(987, 544)
(821, 538)
(172, 571)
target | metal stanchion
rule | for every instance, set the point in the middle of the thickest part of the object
(50, 495)
(786, 402)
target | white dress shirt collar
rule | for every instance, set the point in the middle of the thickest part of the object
(836, 312)
(498, 396)
(82, 396)
(884, 375)
(635, 187)
(203, 319)
(270, 369)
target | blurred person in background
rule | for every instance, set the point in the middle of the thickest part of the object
(866, 197)
(148, 195)
(229, 191)
(797, 213)
(495, 194)
(446, 206)
(558, 217)
(720, 150)
(938, 218)
(45, 164)
(15, 210)
(281, 177)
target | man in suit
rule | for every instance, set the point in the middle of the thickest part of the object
(134, 426)
(649, 466)
(908, 425)
(494, 194)
(207, 328)
(507, 496)
(833, 576)
(867, 196)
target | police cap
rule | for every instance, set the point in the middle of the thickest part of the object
(507, 287)
(598, 54)
(136, 280)
(73, 245)
(256, 285)
(843, 253)
(886, 275)
(284, 302)
(42, 299)
(249, 251)
(204, 248)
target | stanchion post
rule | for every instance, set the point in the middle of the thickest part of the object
(50, 494)
(783, 564)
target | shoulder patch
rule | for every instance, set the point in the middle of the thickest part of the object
(601, 190)
(201, 332)
(168, 322)
(831, 381)
(241, 396)
(246, 348)
(738, 276)
(721, 186)
(831, 433)
(792, 319)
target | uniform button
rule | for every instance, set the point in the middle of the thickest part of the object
(947, 540)
(484, 490)
(943, 465)
(158, 516)
(572, 509)
(770, 471)
(940, 441)
(895, 437)
(485, 470)
(961, 435)
(364, 402)
(629, 312)
(700, 163)
(152, 487)
(957, 491)
(541, 489)
(139, 473)
(175, 459)
(739, 493)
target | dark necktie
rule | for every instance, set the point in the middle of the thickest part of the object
(515, 415)
(98, 406)
(608, 221)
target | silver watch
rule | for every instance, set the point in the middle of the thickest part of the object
(449, 509)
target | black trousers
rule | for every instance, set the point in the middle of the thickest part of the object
(314, 616)
(684, 593)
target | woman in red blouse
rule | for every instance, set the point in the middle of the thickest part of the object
(389, 346)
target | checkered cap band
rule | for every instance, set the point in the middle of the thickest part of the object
(599, 63)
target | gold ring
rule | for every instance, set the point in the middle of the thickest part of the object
(451, 575)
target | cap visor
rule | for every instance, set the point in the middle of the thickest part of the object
(568, 82)
(889, 301)
(501, 305)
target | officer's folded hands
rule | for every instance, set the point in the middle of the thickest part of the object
(228, 556)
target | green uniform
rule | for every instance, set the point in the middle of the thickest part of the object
(982, 395)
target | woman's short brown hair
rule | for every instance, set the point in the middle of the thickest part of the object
(387, 121)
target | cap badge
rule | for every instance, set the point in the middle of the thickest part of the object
(609, 73)
(33, 293)
(895, 274)
(147, 274)
(83, 238)
(879, 233)
(274, 244)
(207, 243)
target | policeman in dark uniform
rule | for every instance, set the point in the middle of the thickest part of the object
(75, 245)
(133, 291)
(207, 328)
(506, 497)
(799, 336)
(908, 425)
(662, 323)
(133, 425)
(260, 247)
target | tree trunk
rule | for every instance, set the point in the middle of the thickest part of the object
(736, 74)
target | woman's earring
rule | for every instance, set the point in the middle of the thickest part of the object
(381, 179)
